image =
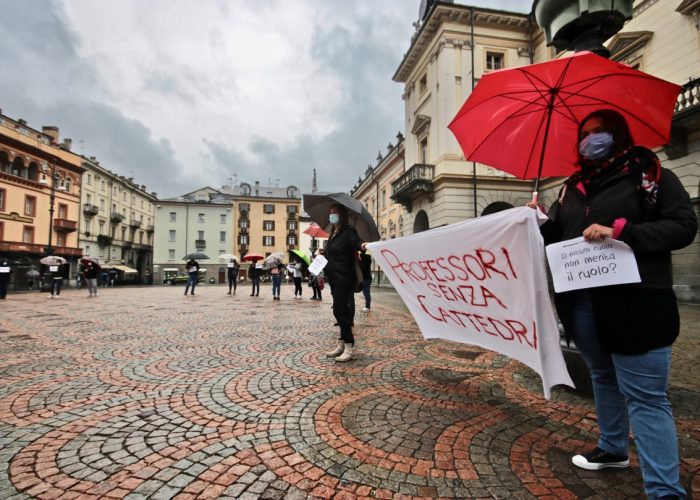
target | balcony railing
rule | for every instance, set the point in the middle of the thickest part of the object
(243, 214)
(127, 244)
(103, 240)
(135, 223)
(89, 210)
(291, 216)
(417, 181)
(150, 228)
(200, 244)
(116, 218)
(689, 96)
(65, 225)
(243, 230)
(685, 120)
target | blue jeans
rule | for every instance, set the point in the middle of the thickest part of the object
(192, 279)
(365, 291)
(56, 286)
(276, 285)
(632, 388)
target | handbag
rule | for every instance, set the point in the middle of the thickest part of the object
(358, 273)
(320, 283)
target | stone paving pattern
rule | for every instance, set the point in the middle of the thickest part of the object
(146, 393)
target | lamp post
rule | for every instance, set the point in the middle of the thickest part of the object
(52, 200)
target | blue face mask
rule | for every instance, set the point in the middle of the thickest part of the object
(334, 219)
(596, 146)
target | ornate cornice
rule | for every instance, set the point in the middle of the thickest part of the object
(623, 44)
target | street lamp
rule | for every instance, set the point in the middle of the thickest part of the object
(52, 199)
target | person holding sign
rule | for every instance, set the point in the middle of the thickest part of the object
(625, 332)
(192, 267)
(343, 243)
(5, 271)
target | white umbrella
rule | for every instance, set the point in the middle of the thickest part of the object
(53, 260)
(273, 260)
(225, 257)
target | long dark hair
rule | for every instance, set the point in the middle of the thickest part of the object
(614, 123)
(343, 213)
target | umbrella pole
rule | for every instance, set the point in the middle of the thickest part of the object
(550, 110)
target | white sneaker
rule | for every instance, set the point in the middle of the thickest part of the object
(365, 309)
(51, 296)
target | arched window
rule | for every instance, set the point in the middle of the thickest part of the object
(33, 172)
(421, 222)
(496, 206)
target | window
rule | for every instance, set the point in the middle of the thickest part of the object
(102, 185)
(243, 223)
(171, 254)
(291, 209)
(494, 60)
(61, 239)
(66, 186)
(268, 225)
(62, 211)
(102, 252)
(89, 181)
(423, 85)
(102, 205)
(222, 218)
(87, 249)
(244, 207)
(2, 231)
(29, 206)
(423, 151)
(141, 203)
(3, 196)
(383, 198)
(89, 199)
(268, 209)
(242, 239)
(114, 208)
(102, 228)
(124, 196)
(200, 217)
(292, 225)
(171, 235)
(291, 240)
(28, 234)
(268, 241)
(141, 237)
(200, 235)
(222, 236)
(173, 216)
(123, 233)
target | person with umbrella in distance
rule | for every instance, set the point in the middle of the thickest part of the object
(343, 243)
(91, 271)
(625, 332)
(5, 271)
(233, 267)
(55, 274)
(254, 274)
(192, 268)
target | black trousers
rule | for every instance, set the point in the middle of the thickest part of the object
(342, 296)
(297, 286)
(232, 283)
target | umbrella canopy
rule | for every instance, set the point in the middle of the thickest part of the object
(225, 257)
(85, 260)
(525, 120)
(32, 273)
(90, 262)
(318, 204)
(273, 260)
(253, 257)
(196, 256)
(315, 231)
(305, 258)
(53, 260)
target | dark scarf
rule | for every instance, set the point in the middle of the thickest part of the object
(637, 161)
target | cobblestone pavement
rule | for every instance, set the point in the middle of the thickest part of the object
(146, 393)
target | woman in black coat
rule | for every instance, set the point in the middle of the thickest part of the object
(625, 332)
(341, 251)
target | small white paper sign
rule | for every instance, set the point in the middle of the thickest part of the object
(318, 264)
(4, 269)
(577, 264)
(258, 265)
(53, 269)
(230, 264)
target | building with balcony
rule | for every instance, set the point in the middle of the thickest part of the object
(240, 219)
(116, 217)
(40, 206)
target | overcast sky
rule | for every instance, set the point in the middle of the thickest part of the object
(182, 94)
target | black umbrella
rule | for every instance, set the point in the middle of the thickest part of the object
(317, 205)
(196, 256)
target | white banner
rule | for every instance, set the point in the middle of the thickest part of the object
(577, 264)
(481, 282)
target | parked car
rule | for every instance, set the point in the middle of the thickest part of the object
(180, 279)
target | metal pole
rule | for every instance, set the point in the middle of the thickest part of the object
(52, 197)
(471, 21)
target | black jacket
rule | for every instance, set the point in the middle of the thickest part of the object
(366, 266)
(340, 252)
(637, 317)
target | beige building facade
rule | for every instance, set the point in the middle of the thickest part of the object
(40, 182)
(454, 43)
(117, 222)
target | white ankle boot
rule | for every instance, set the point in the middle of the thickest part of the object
(337, 351)
(347, 354)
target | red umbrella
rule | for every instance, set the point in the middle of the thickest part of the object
(315, 231)
(253, 257)
(525, 120)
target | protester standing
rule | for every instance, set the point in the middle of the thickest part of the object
(254, 274)
(296, 276)
(366, 267)
(55, 280)
(233, 268)
(5, 271)
(276, 274)
(192, 267)
(92, 271)
(343, 243)
(625, 332)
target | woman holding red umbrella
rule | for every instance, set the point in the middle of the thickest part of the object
(625, 332)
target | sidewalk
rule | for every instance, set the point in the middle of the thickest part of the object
(146, 393)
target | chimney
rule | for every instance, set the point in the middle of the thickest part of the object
(67, 143)
(22, 121)
(93, 159)
(50, 130)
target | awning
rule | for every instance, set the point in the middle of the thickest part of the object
(170, 269)
(125, 269)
